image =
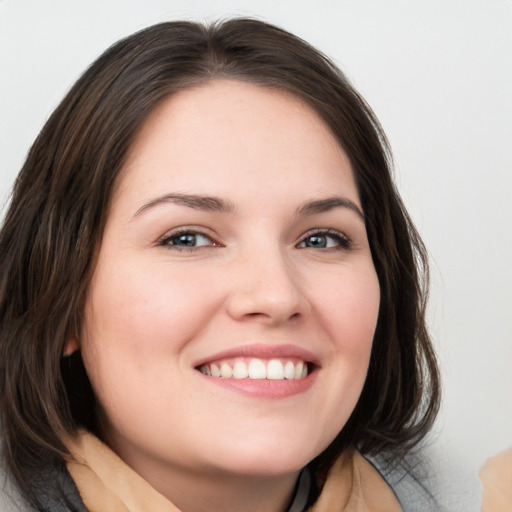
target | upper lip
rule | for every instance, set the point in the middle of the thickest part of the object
(261, 351)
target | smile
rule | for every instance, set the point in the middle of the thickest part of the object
(257, 369)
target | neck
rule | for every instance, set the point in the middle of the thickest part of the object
(196, 492)
(190, 488)
(217, 492)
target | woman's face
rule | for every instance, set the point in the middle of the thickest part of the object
(234, 258)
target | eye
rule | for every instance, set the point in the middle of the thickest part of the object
(184, 240)
(325, 239)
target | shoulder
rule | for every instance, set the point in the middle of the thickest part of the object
(410, 480)
(58, 492)
(10, 498)
(435, 478)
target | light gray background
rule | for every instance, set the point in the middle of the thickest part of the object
(439, 76)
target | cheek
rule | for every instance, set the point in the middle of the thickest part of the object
(138, 319)
(144, 307)
(348, 307)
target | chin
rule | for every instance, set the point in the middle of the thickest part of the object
(266, 458)
(263, 466)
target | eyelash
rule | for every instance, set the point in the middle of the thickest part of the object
(166, 241)
(343, 242)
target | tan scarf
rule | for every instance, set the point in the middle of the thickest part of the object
(107, 484)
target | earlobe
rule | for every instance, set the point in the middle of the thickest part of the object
(70, 347)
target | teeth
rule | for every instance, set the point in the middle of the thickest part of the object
(205, 370)
(226, 372)
(240, 370)
(215, 370)
(274, 369)
(257, 369)
(289, 370)
(298, 369)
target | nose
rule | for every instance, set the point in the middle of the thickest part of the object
(266, 288)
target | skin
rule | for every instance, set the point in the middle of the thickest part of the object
(254, 278)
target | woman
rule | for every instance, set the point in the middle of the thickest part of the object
(206, 266)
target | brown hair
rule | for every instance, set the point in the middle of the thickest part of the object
(60, 202)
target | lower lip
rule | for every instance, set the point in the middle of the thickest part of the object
(264, 388)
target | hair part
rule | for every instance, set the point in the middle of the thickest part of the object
(60, 202)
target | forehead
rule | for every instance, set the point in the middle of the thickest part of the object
(238, 133)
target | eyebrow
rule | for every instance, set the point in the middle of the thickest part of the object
(216, 204)
(197, 202)
(324, 205)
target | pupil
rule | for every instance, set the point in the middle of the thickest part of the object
(317, 241)
(188, 240)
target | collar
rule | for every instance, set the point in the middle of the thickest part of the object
(105, 482)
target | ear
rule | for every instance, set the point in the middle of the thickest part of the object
(70, 347)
